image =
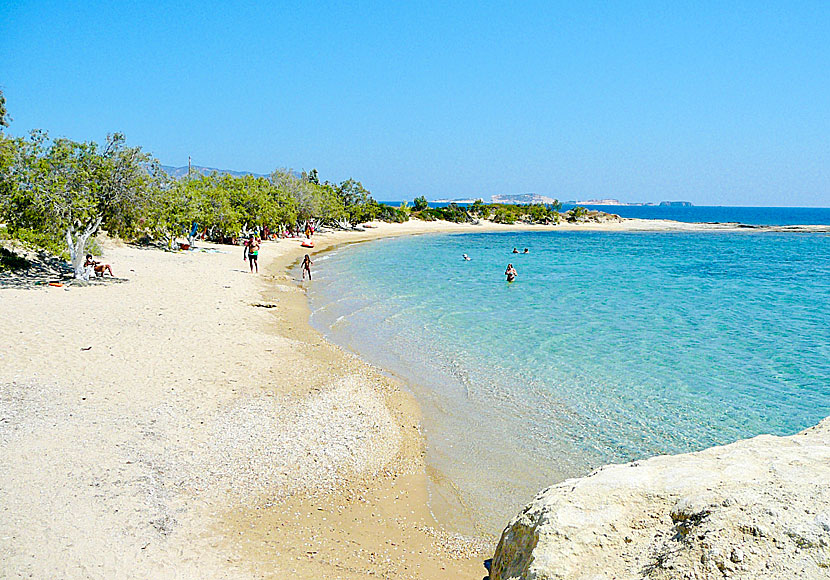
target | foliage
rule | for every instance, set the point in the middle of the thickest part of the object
(387, 213)
(4, 121)
(505, 214)
(577, 214)
(451, 213)
(479, 209)
(357, 201)
(58, 192)
(420, 203)
(538, 213)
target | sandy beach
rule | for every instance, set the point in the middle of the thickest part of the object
(189, 423)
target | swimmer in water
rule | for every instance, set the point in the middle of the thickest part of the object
(515, 251)
(466, 258)
(510, 273)
(526, 251)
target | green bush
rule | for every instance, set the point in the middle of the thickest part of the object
(505, 214)
(577, 213)
(479, 209)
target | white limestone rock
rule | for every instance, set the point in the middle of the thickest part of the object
(758, 508)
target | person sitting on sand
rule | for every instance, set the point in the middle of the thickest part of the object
(307, 266)
(511, 273)
(98, 267)
(251, 252)
(515, 251)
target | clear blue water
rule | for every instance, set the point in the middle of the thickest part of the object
(609, 347)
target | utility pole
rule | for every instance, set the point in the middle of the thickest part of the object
(189, 166)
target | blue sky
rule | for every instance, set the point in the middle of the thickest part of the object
(716, 103)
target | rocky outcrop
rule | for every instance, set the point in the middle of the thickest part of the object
(758, 508)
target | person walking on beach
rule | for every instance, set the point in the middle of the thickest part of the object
(251, 252)
(510, 273)
(307, 266)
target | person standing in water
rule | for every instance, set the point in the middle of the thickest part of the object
(510, 273)
(251, 252)
(307, 266)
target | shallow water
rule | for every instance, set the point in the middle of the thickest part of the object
(609, 346)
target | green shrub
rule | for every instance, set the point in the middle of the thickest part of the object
(504, 214)
(577, 213)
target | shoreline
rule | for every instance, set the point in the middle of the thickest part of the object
(192, 423)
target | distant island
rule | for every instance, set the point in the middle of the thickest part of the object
(606, 202)
(511, 198)
(520, 198)
(635, 204)
(470, 200)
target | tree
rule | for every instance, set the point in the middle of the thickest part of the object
(61, 192)
(480, 209)
(357, 201)
(4, 121)
(577, 214)
(420, 203)
(505, 214)
(307, 197)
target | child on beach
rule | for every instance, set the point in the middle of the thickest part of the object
(251, 252)
(307, 266)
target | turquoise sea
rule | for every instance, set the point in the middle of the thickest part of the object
(609, 347)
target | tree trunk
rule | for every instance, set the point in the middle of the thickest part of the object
(77, 246)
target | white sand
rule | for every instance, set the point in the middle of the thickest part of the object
(166, 427)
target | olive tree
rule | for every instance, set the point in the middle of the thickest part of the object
(61, 192)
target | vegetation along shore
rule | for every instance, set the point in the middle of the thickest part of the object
(183, 420)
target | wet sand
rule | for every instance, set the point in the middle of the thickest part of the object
(189, 423)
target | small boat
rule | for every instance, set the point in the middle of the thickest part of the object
(307, 244)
